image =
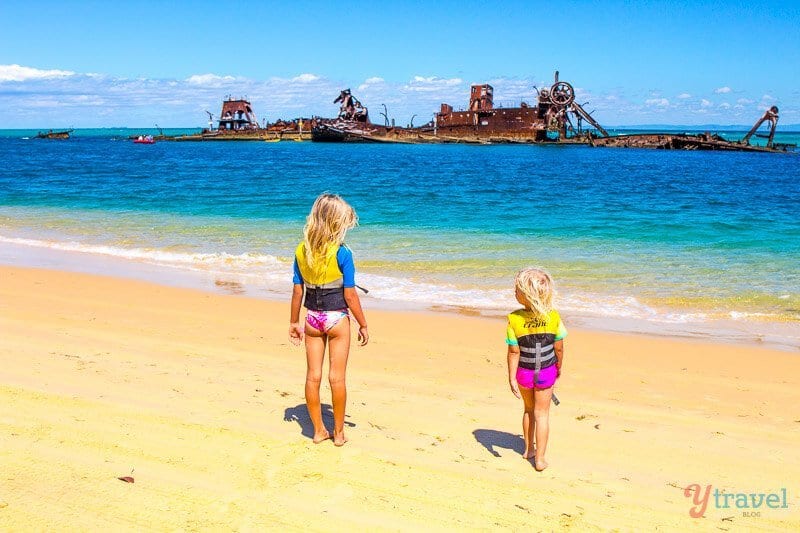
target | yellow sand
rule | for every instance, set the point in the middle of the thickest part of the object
(199, 397)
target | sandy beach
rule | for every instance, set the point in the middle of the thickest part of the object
(199, 398)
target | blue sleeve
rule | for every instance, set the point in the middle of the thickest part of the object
(298, 278)
(344, 257)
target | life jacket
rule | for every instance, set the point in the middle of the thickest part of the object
(324, 285)
(536, 337)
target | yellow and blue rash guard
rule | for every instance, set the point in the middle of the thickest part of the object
(325, 284)
(535, 335)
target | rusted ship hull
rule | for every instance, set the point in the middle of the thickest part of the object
(682, 141)
(344, 133)
(54, 134)
(253, 135)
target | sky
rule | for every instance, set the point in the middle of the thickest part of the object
(136, 64)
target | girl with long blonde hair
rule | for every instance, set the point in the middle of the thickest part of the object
(325, 272)
(535, 338)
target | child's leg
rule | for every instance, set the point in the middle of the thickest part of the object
(315, 353)
(338, 351)
(527, 420)
(541, 417)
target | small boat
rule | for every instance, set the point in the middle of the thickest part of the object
(275, 140)
(64, 134)
(144, 139)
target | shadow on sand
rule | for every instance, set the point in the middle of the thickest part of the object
(491, 439)
(299, 414)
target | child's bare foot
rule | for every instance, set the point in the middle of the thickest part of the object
(338, 438)
(319, 437)
(529, 453)
(539, 464)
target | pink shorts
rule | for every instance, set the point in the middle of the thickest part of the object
(547, 378)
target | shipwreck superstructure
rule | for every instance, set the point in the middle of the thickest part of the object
(237, 116)
(238, 122)
(551, 118)
(555, 118)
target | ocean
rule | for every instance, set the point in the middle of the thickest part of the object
(684, 244)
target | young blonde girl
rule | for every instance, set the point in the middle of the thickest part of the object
(324, 270)
(535, 353)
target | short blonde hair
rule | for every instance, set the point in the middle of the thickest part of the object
(326, 224)
(536, 284)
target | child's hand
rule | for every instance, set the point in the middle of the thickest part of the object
(296, 333)
(363, 336)
(514, 387)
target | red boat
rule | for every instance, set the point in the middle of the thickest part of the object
(144, 139)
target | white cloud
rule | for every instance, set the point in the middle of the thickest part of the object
(371, 82)
(684, 96)
(19, 73)
(745, 101)
(724, 105)
(722, 90)
(305, 78)
(210, 80)
(705, 103)
(657, 102)
(432, 83)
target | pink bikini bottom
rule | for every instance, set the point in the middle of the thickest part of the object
(325, 320)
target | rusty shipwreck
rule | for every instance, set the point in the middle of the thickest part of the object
(554, 118)
(238, 122)
(51, 134)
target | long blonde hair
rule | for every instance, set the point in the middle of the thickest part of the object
(326, 225)
(537, 286)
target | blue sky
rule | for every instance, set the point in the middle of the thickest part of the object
(93, 64)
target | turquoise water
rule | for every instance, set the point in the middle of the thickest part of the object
(678, 243)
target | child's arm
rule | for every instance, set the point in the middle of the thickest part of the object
(558, 346)
(513, 363)
(295, 327)
(354, 303)
(345, 260)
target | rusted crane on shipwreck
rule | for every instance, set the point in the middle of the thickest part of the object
(557, 103)
(770, 116)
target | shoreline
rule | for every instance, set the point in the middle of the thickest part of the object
(198, 396)
(748, 332)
